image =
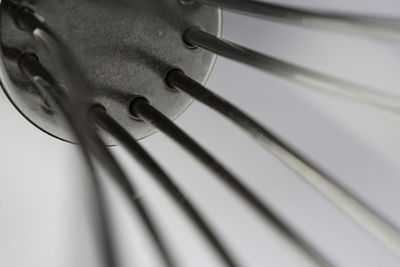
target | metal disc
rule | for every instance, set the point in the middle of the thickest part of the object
(124, 49)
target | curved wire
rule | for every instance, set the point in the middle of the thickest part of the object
(372, 222)
(37, 75)
(143, 110)
(247, 56)
(352, 23)
(69, 70)
(107, 123)
(43, 81)
(297, 74)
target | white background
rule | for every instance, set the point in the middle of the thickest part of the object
(41, 211)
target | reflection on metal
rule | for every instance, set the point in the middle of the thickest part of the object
(351, 23)
(103, 120)
(148, 113)
(63, 73)
(372, 222)
(300, 75)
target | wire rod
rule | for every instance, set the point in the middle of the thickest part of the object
(131, 193)
(145, 111)
(373, 223)
(107, 123)
(65, 65)
(69, 69)
(25, 17)
(352, 23)
(291, 72)
(44, 81)
(103, 229)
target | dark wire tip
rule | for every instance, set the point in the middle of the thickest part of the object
(135, 105)
(186, 37)
(169, 77)
(25, 18)
(26, 61)
(93, 112)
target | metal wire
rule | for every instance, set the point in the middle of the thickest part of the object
(47, 85)
(64, 61)
(92, 143)
(384, 27)
(297, 74)
(376, 225)
(142, 109)
(41, 77)
(106, 122)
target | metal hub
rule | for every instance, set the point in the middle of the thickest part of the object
(124, 49)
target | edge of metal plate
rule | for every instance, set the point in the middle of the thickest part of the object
(124, 51)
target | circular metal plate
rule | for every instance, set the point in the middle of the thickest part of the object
(124, 48)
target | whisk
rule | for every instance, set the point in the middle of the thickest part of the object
(132, 67)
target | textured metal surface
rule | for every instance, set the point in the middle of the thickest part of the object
(124, 48)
